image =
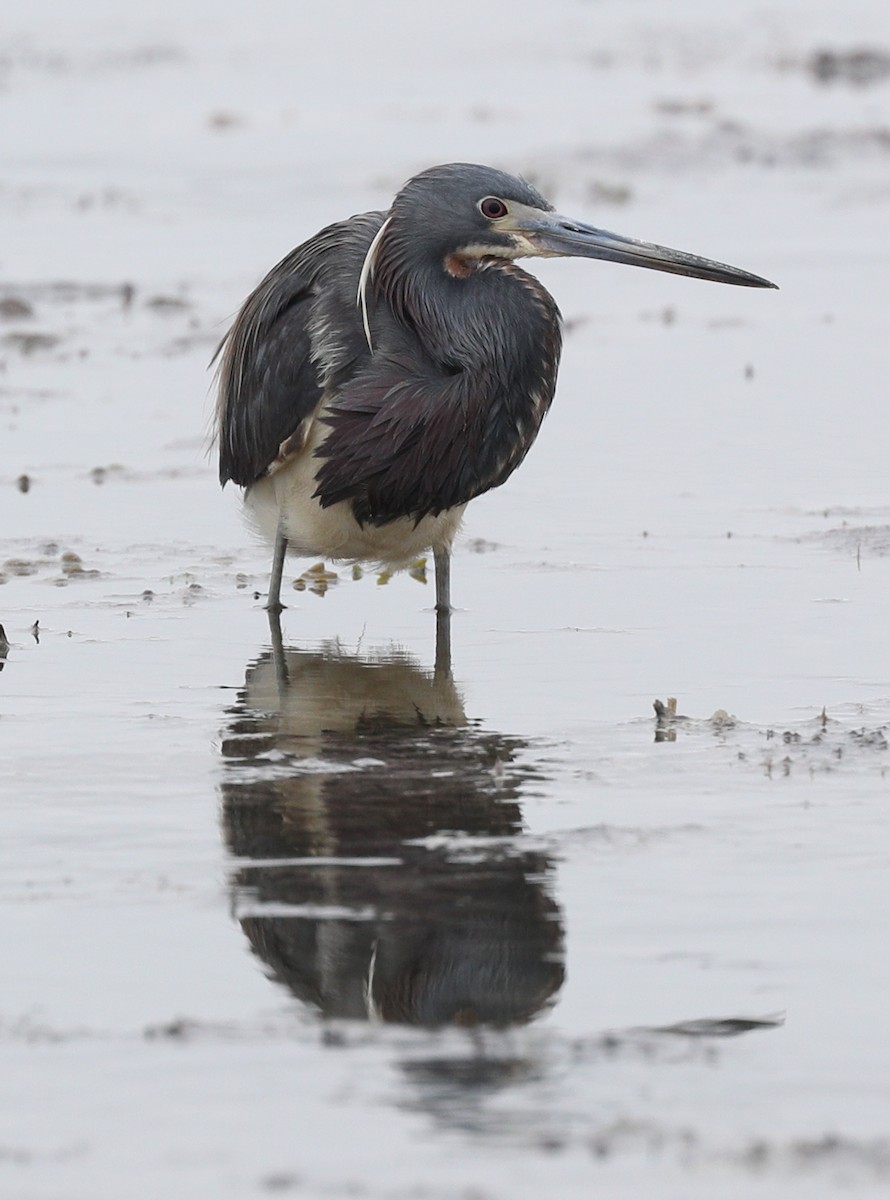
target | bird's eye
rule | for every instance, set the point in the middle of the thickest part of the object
(492, 208)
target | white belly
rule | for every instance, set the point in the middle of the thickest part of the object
(334, 533)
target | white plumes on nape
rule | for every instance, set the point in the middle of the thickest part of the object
(367, 273)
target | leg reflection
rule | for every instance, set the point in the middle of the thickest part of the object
(381, 871)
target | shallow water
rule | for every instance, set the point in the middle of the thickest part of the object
(313, 916)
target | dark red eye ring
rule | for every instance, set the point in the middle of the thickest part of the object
(492, 208)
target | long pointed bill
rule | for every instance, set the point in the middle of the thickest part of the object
(554, 235)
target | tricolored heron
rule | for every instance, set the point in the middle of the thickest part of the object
(399, 364)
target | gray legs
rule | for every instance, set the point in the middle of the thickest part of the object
(273, 604)
(443, 645)
(442, 559)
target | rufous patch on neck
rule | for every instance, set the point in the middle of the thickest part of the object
(459, 266)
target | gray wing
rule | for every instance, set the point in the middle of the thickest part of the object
(404, 444)
(410, 436)
(297, 333)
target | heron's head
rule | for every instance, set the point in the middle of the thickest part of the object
(459, 214)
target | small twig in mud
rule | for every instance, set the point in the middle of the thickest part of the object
(665, 718)
(667, 712)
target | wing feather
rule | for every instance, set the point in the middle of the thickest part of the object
(295, 331)
(409, 444)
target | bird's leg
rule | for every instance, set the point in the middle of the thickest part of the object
(443, 645)
(442, 559)
(273, 604)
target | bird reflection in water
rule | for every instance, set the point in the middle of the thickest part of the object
(381, 877)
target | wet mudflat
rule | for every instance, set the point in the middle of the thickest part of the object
(293, 911)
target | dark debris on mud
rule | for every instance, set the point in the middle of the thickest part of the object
(722, 142)
(820, 745)
(14, 309)
(69, 303)
(22, 301)
(847, 1159)
(858, 541)
(29, 343)
(62, 566)
(859, 67)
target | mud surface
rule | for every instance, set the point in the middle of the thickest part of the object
(296, 911)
